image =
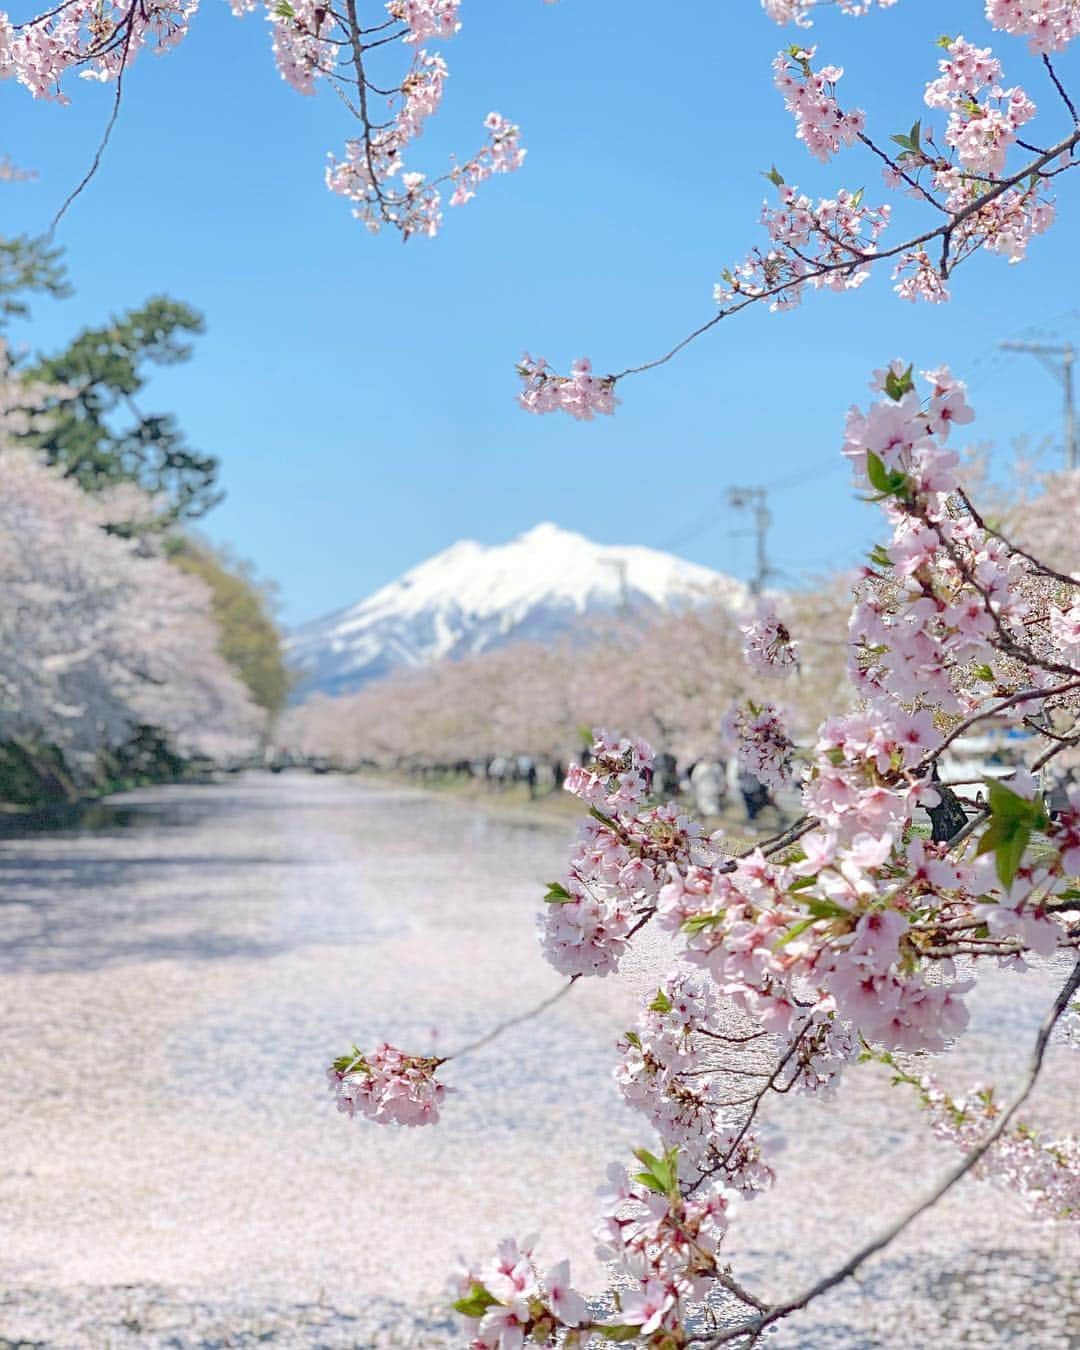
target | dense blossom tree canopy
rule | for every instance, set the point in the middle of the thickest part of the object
(98, 639)
(99, 635)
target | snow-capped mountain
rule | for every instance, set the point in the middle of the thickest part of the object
(472, 596)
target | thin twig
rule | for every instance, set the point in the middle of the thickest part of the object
(1061, 89)
(497, 1031)
(103, 144)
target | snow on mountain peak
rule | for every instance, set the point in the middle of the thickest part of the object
(473, 596)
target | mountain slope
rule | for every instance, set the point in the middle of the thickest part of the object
(471, 597)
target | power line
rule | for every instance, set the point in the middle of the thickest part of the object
(754, 499)
(1058, 359)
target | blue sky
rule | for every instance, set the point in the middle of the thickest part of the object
(360, 393)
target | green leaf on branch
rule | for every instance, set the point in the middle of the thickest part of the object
(557, 894)
(775, 177)
(662, 1174)
(619, 1334)
(795, 931)
(880, 556)
(284, 10)
(826, 909)
(801, 883)
(984, 673)
(476, 1303)
(661, 1003)
(1013, 820)
(896, 386)
(354, 1063)
(887, 482)
(698, 923)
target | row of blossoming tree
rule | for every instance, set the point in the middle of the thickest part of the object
(669, 674)
(859, 932)
(109, 654)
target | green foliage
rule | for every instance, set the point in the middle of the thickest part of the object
(910, 142)
(557, 894)
(242, 606)
(476, 1302)
(795, 931)
(821, 908)
(354, 1063)
(99, 434)
(33, 776)
(886, 482)
(661, 1175)
(880, 556)
(36, 776)
(698, 923)
(28, 264)
(1012, 821)
(661, 1003)
(896, 386)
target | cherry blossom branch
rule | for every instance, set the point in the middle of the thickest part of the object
(944, 232)
(1037, 563)
(753, 1327)
(1025, 696)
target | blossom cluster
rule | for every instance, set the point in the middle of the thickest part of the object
(1044, 1172)
(1049, 25)
(763, 746)
(372, 173)
(310, 43)
(98, 39)
(505, 1301)
(663, 1240)
(388, 1086)
(581, 393)
(618, 862)
(810, 96)
(769, 648)
(426, 18)
(676, 1069)
(829, 244)
(980, 132)
(799, 11)
(370, 163)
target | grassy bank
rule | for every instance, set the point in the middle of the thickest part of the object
(38, 779)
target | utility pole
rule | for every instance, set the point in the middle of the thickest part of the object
(753, 499)
(1059, 361)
